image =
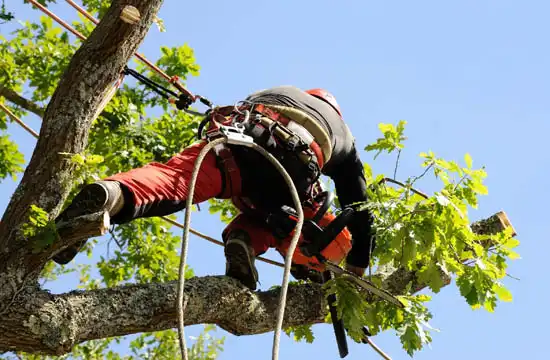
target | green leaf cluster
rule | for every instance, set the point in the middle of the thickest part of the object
(300, 333)
(392, 138)
(431, 236)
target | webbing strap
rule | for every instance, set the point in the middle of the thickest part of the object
(280, 118)
(230, 172)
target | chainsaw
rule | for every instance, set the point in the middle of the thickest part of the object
(313, 261)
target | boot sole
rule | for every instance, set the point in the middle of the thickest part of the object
(92, 199)
(239, 263)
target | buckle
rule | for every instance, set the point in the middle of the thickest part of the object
(233, 133)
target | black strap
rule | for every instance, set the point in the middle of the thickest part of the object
(183, 100)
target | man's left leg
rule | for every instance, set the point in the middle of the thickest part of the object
(152, 190)
(244, 240)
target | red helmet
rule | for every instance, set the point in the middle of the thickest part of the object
(327, 97)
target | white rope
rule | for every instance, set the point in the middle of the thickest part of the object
(185, 241)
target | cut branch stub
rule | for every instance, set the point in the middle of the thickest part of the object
(493, 225)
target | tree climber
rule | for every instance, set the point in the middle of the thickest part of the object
(304, 130)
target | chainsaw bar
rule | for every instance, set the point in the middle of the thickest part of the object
(365, 284)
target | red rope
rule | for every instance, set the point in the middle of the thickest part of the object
(172, 79)
(56, 18)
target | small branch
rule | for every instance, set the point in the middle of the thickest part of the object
(459, 182)
(403, 185)
(396, 164)
(18, 121)
(19, 100)
(423, 174)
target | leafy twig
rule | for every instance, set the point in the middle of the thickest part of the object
(415, 179)
(403, 185)
(396, 164)
(459, 182)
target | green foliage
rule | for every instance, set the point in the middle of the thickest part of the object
(392, 138)
(432, 237)
(161, 345)
(300, 333)
(350, 304)
(164, 345)
(11, 160)
(150, 254)
(5, 15)
(38, 220)
(40, 228)
(225, 208)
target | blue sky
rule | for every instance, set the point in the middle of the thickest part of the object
(468, 76)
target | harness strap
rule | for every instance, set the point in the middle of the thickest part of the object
(289, 117)
(230, 172)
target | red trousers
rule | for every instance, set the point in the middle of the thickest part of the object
(161, 189)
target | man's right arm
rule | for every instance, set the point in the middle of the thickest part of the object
(350, 183)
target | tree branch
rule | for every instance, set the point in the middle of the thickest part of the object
(19, 100)
(395, 279)
(67, 234)
(41, 322)
(93, 70)
(55, 323)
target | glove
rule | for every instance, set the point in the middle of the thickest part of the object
(301, 272)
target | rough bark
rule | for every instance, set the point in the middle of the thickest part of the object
(19, 100)
(53, 324)
(92, 71)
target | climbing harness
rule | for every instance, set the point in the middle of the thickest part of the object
(267, 123)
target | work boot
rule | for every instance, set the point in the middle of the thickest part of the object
(240, 259)
(96, 197)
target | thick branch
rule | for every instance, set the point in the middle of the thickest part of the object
(19, 100)
(91, 73)
(54, 323)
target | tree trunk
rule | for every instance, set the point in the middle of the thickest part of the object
(92, 72)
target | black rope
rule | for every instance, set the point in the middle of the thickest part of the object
(182, 100)
(156, 87)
